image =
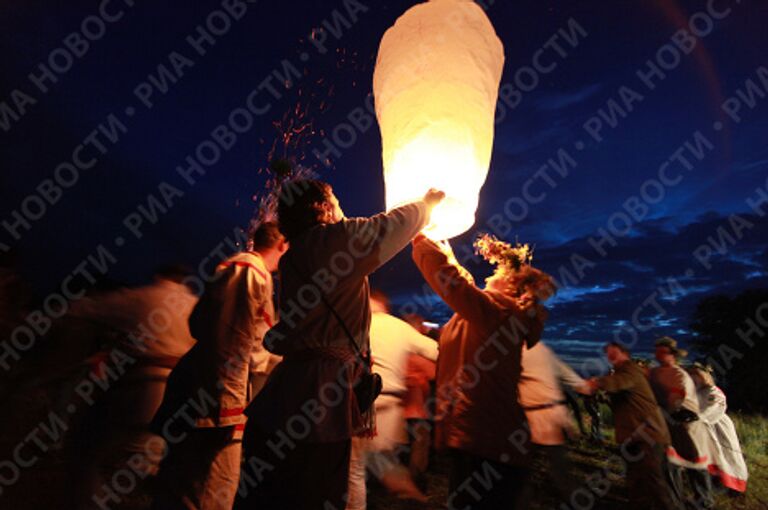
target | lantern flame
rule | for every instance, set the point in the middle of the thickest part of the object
(435, 86)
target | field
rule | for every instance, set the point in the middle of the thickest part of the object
(588, 461)
(45, 485)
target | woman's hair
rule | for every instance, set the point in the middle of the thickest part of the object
(298, 205)
(513, 266)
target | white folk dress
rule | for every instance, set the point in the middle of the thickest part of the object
(676, 391)
(726, 460)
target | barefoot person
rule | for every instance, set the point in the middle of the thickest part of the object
(297, 442)
(478, 414)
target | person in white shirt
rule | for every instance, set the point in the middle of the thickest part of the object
(548, 416)
(202, 411)
(392, 340)
(151, 335)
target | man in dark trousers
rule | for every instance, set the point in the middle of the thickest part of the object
(640, 430)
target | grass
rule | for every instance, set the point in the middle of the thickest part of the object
(753, 434)
(588, 460)
(45, 485)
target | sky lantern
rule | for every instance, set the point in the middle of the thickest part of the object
(435, 86)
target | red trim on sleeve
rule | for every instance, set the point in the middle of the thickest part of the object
(241, 263)
(226, 413)
(671, 452)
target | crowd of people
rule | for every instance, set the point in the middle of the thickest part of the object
(231, 402)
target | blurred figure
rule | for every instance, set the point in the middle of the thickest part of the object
(392, 341)
(546, 410)
(323, 336)
(676, 394)
(152, 334)
(640, 430)
(478, 415)
(726, 461)
(419, 376)
(202, 412)
(592, 406)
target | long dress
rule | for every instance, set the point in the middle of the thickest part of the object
(726, 461)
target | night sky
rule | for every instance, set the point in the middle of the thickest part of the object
(587, 138)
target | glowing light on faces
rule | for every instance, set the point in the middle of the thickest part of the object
(436, 83)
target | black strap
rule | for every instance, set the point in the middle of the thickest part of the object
(545, 406)
(364, 357)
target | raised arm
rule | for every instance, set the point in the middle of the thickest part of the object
(375, 240)
(445, 278)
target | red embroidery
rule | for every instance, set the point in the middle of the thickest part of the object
(226, 413)
(241, 263)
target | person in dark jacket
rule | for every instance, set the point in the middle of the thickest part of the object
(640, 430)
(297, 441)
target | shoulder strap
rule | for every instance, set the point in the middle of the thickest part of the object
(365, 357)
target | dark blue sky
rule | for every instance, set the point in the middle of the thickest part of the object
(583, 106)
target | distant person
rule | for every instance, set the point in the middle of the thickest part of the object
(152, 334)
(726, 460)
(549, 419)
(323, 338)
(640, 430)
(478, 372)
(202, 411)
(676, 394)
(392, 341)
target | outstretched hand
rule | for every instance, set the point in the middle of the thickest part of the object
(433, 197)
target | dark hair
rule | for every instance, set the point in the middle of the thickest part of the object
(266, 235)
(298, 205)
(621, 347)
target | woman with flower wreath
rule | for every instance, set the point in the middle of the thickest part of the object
(478, 417)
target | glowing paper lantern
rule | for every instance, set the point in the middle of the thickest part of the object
(435, 86)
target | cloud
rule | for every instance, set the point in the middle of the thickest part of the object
(550, 101)
(646, 286)
(754, 165)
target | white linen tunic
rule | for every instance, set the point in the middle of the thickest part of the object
(542, 397)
